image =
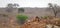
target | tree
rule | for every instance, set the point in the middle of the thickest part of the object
(20, 10)
(10, 7)
(54, 8)
(15, 5)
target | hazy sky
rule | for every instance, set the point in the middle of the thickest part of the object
(29, 3)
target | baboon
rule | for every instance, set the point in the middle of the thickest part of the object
(37, 18)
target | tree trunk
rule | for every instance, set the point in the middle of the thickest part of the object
(55, 14)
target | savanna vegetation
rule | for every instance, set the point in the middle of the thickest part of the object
(36, 22)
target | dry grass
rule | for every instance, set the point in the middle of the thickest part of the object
(33, 23)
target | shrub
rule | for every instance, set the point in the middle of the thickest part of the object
(45, 17)
(22, 17)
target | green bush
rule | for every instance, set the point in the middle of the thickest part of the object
(22, 17)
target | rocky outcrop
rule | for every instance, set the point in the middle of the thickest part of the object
(41, 23)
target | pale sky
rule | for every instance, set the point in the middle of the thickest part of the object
(29, 3)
